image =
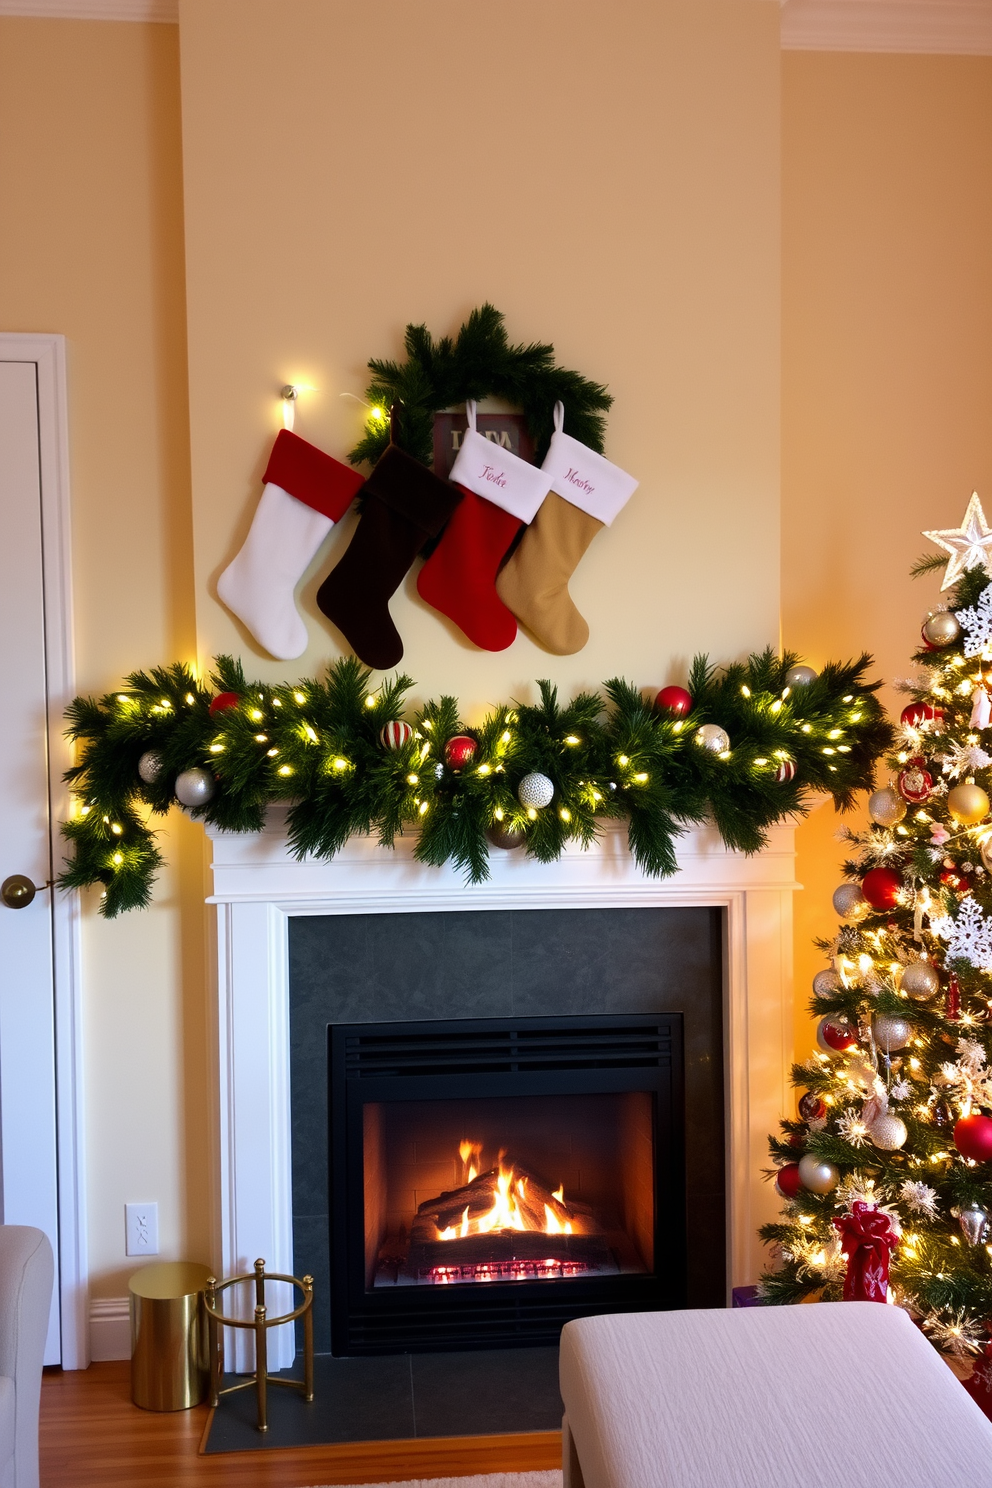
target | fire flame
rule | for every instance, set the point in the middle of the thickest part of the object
(507, 1211)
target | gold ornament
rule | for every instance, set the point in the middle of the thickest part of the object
(886, 807)
(968, 804)
(969, 546)
(892, 1033)
(505, 835)
(942, 629)
(920, 981)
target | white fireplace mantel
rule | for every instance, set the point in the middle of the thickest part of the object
(259, 887)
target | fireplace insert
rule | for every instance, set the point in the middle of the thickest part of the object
(492, 1178)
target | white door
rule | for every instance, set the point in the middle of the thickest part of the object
(29, 1174)
(41, 1177)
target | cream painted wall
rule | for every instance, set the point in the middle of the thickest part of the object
(606, 175)
(664, 284)
(91, 186)
(887, 367)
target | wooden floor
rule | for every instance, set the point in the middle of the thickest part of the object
(93, 1437)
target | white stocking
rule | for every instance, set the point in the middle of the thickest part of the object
(258, 584)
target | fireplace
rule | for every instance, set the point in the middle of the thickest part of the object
(271, 1150)
(490, 1179)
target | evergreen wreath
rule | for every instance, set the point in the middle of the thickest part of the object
(319, 745)
(478, 363)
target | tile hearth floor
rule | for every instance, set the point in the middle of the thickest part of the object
(398, 1397)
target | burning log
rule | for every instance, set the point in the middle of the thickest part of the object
(503, 1217)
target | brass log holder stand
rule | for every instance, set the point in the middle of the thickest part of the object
(259, 1324)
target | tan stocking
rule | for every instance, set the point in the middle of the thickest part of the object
(534, 583)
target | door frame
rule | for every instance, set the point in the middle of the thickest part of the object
(48, 353)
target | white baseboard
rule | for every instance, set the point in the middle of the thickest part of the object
(110, 1329)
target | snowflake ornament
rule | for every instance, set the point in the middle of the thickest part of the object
(955, 1334)
(919, 1197)
(969, 936)
(901, 1090)
(963, 759)
(852, 1128)
(976, 622)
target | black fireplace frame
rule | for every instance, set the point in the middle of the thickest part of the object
(470, 1058)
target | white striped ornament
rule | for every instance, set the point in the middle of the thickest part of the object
(785, 771)
(395, 734)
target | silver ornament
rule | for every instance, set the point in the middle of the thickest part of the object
(886, 807)
(535, 790)
(505, 835)
(942, 629)
(826, 982)
(920, 981)
(892, 1033)
(849, 902)
(974, 1222)
(712, 737)
(888, 1132)
(195, 787)
(800, 676)
(817, 1175)
(150, 766)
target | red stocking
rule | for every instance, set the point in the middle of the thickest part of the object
(459, 578)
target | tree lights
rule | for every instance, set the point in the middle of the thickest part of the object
(899, 1097)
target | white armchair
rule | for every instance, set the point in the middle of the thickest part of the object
(27, 1272)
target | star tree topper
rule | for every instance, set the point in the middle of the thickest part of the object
(969, 545)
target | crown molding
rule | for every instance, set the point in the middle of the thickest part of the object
(166, 11)
(956, 27)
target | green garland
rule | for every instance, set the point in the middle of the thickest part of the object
(317, 744)
(478, 363)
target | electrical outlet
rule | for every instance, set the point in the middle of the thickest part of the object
(141, 1229)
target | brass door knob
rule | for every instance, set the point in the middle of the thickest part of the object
(17, 891)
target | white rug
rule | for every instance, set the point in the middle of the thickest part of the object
(487, 1480)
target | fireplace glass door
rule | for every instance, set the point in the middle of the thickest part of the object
(491, 1179)
(525, 1188)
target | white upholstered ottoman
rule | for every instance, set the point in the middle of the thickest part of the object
(844, 1393)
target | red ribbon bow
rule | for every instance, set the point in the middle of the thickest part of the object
(868, 1240)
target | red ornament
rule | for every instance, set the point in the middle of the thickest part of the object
(954, 880)
(394, 734)
(973, 1137)
(868, 1240)
(835, 1037)
(915, 782)
(811, 1107)
(222, 702)
(882, 887)
(916, 713)
(953, 1008)
(459, 752)
(787, 1181)
(674, 700)
(786, 771)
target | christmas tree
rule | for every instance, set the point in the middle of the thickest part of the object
(886, 1172)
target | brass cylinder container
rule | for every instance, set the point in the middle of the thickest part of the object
(169, 1353)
